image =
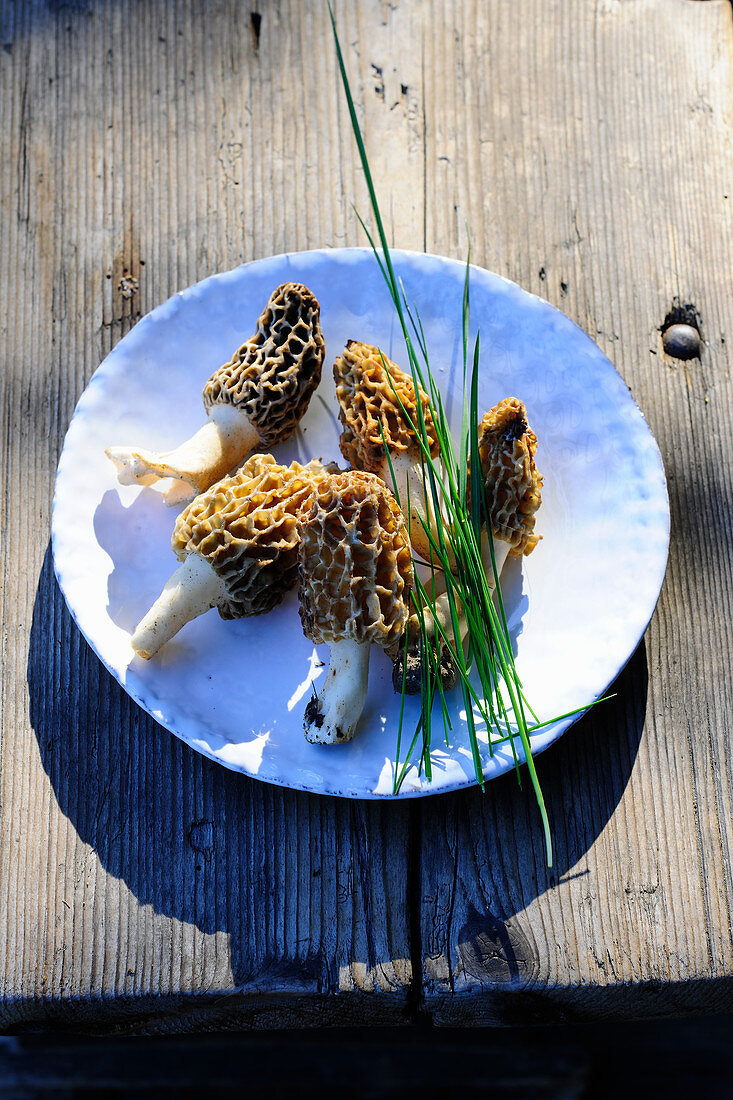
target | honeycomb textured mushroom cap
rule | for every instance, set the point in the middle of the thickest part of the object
(512, 483)
(246, 528)
(367, 400)
(272, 376)
(355, 562)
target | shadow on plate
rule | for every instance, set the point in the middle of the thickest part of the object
(146, 529)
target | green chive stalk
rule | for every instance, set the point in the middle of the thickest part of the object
(454, 496)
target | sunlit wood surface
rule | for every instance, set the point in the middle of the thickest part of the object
(587, 145)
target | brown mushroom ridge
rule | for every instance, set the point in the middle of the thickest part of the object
(355, 562)
(512, 483)
(246, 527)
(272, 376)
(367, 399)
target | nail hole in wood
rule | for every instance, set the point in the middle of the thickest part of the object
(255, 20)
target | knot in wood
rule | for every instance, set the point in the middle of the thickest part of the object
(201, 836)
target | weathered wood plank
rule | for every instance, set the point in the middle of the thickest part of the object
(148, 145)
(592, 161)
(586, 146)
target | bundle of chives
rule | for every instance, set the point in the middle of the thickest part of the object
(455, 497)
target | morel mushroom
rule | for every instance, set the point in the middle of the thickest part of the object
(372, 392)
(355, 576)
(512, 493)
(254, 401)
(238, 544)
(512, 483)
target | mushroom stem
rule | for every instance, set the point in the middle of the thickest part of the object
(193, 589)
(411, 482)
(441, 613)
(226, 438)
(442, 603)
(501, 553)
(332, 715)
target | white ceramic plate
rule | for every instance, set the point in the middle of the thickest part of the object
(236, 691)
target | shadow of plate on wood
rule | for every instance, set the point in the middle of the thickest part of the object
(220, 852)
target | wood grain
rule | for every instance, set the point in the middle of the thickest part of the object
(604, 141)
(146, 145)
(139, 879)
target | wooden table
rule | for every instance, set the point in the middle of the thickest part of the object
(145, 145)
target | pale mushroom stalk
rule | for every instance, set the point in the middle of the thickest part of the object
(238, 543)
(442, 610)
(355, 575)
(340, 701)
(501, 553)
(254, 401)
(215, 449)
(410, 482)
(440, 632)
(193, 589)
(442, 601)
